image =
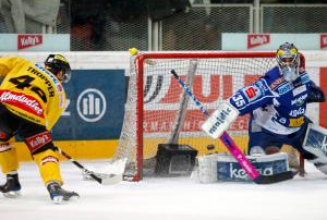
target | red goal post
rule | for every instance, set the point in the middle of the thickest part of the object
(156, 111)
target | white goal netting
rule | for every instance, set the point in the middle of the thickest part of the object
(157, 110)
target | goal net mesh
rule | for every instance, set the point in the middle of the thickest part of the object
(158, 111)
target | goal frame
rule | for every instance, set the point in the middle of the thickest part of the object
(140, 61)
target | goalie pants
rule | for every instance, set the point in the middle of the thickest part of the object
(259, 136)
(46, 157)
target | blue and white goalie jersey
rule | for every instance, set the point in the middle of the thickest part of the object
(275, 104)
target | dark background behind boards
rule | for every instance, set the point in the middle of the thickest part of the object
(126, 10)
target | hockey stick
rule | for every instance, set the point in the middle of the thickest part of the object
(102, 178)
(233, 149)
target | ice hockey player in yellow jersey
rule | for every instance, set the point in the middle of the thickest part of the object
(32, 99)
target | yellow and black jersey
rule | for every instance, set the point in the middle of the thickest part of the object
(31, 92)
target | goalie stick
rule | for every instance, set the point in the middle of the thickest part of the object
(102, 178)
(234, 150)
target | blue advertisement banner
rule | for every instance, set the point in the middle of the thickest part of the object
(95, 107)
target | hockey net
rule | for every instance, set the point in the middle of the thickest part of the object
(157, 110)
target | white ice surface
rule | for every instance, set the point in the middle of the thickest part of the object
(169, 198)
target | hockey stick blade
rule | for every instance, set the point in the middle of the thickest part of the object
(233, 148)
(276, 178)
(102, 178)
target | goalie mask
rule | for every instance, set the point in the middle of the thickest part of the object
(288, 60)
(59, 66)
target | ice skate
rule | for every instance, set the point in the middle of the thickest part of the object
(12, 187)
(58, 194)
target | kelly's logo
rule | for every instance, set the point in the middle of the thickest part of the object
(28, 40)
(323, 41)
(256, 40)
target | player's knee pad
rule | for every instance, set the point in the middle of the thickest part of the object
(48, 163)
(40, 142)
(8, 157)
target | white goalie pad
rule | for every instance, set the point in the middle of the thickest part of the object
(220, 120)
(206, 169)
(224, 167)
(315, 142)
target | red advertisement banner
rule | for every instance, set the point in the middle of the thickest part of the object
(323, 106)
(163, 117)
(256, 40)
(28, 40)
(323, 41)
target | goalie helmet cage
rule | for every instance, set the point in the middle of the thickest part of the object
(157, 111)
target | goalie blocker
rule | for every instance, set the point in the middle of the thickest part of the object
(220, 120)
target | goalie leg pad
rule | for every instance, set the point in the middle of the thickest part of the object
(230, 170)
(224, 167)
(48, 163)
(206, 170)
(315, 142)
(322, 167)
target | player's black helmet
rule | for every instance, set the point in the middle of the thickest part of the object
(288, 59)
(59, 66)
